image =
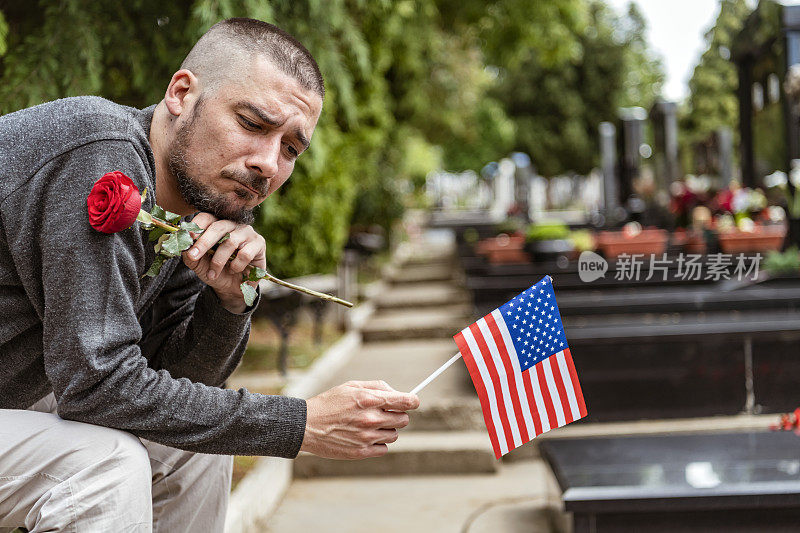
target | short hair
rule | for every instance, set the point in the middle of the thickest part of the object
(229, 41)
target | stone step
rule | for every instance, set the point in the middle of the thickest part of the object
(427, 503)
(461, 413)
(425, 253)
(405, 364)
(398, 275)
(433, 323)
(453, 452)
(422, 294)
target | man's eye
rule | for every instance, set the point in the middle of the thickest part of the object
(248, 124)
(293, 151)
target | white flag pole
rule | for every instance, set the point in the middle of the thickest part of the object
(436, 373)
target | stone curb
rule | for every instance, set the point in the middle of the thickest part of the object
(427, 453)
(260, 492)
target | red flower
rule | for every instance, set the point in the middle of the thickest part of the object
(113, 203)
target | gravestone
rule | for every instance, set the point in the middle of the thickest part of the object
(632, 140)
(665, 129)
(725, 155)
(503, 189)
(608, 156)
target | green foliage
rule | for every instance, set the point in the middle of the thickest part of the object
(411, 86)
(557, 106)
(582, 240)
(547, 231)
(787, 262)
(712, 101)
(509, 226)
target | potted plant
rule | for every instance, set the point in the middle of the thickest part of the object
(747, 236)
(783, 264)
(632, 240)
(547, 240)
(506, 246)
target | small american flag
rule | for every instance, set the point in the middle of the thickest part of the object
(519, 361)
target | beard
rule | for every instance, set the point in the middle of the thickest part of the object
(198, 194)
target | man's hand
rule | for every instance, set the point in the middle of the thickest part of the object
(356, 420)
(224, 277)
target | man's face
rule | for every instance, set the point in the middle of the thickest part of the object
(239, 143)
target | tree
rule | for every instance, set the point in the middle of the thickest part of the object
(712, 101)
(558, 101)
(399, 103)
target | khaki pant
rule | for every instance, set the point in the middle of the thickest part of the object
(61, 475)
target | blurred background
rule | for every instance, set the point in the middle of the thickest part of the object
(466, 149)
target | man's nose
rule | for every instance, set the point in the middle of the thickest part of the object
(265, 156)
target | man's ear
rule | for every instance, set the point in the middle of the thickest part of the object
(182, 91)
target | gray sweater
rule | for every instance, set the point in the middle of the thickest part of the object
(145, 355)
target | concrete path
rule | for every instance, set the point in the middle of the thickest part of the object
(519, 497)
(441, 475)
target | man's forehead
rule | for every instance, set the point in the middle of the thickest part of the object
(268, 88)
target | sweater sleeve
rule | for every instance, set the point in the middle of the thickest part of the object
(90, 286)
(191, 334)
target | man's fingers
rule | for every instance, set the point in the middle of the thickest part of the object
(394, 420)
(376, 384)
(210, 237)
(385, 436)
(245, 255)
(396, 401)
(204, 219)
(376, 450)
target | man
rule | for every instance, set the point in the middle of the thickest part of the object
(111, 413)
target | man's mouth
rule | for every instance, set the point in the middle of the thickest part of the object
(252, 190)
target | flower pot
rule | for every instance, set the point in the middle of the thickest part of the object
(762, 239)
(503, 249)
(648, 241)
(549, 250)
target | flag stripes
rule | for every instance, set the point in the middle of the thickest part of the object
(518, 405)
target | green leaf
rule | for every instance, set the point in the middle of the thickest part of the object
(172, 218)
(249, 293)
(191, 226)
(158, 212)
(256, 274)
(144, 195)
(144, 217)
(176, 243)
(160, 242)
(156, 234)
(155, 268)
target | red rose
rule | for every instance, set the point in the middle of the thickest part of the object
(113, 203)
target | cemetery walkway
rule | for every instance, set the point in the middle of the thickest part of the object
(441, 475)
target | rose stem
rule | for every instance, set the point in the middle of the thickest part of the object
(169, 227)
